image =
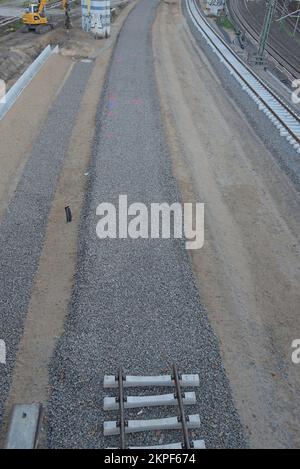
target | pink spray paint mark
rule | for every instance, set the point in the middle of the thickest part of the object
(112, 102)
(137, 101)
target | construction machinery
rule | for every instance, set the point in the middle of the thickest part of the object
(35, 17)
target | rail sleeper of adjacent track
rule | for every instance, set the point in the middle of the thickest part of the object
(280, 114)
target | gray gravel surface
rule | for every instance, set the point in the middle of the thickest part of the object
(23, 226)
(284, 154)
(135, 302)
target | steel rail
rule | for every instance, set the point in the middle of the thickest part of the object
(121, 407)
(182, 417)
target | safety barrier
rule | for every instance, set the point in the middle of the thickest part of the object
(15, 91)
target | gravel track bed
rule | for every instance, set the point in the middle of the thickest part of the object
(134, 302)
(23, 226)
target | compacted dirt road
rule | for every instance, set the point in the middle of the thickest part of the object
(248, 270)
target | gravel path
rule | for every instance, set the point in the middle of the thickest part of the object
(22, 228)
(134, 302)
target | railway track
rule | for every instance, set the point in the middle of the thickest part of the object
(281, 115)
(283, 11)
(5, 21)
(177, 398)
(276, 50)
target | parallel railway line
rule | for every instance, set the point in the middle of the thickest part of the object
(277, 51)
(281, 115)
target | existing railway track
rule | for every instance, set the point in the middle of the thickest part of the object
(280, 114)
(276, 50)
(5, 21)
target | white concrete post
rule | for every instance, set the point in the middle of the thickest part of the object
(96, 17)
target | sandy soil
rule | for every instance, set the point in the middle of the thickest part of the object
(19, 49)
(54, 279)
(21, 125)
(248, 270)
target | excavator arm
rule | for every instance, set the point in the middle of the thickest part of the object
(66, 7)
(42, 4)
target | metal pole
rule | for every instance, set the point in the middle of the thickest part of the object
(285, 9)
(271, 5)
(297, 22)
(67, 15)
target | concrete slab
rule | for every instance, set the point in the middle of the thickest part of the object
(24, 426)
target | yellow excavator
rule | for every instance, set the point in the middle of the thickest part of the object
(36, 20)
